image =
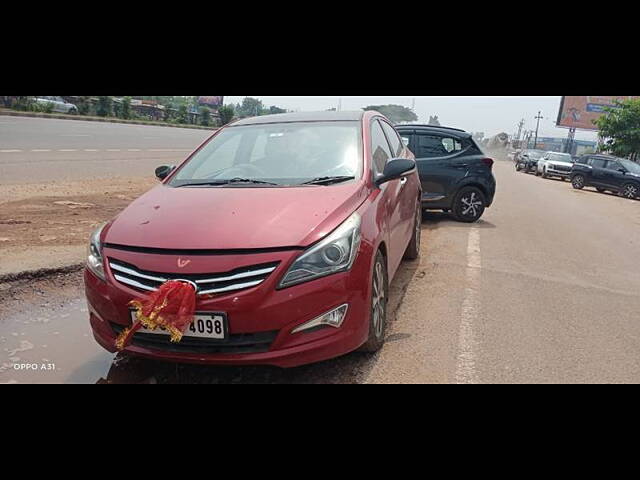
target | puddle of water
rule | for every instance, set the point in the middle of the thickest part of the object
(51, 343)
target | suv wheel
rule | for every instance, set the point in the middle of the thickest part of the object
(577, 182)
(378, 314)
(630, 190)
(544, 173)
(601, 190)
(468, 205)
(413, 249)
(518, 167)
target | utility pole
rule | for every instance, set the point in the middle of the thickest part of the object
(535, 142)
(413, 104)
(520, 125)
(339, 104)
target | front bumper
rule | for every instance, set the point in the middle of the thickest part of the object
(558, 173)
(261, 311)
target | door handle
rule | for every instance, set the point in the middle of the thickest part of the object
(403, 181)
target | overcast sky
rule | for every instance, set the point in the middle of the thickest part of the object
(490, 115)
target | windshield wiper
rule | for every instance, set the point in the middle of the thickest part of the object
(232, 181)
(328, 180)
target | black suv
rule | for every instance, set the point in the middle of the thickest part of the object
(455, 174)
(605, 172)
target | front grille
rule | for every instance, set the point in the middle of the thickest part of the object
(236, 343)
(561, 168)
(238, 279)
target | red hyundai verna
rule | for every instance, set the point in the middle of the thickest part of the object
(290, 226)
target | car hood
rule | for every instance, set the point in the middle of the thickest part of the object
(234, 217)
(556, 162)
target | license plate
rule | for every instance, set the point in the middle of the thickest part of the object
(204, 325)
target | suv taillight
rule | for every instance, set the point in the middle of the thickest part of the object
(488, 162)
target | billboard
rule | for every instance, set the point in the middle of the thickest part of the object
(580, 112)
(211, 101)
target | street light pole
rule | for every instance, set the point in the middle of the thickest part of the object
(535, 142)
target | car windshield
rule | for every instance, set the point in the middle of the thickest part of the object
(534, 154)
(560, 157)
(279, 153)
(630, 166)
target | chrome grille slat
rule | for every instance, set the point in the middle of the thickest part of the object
(253, 273)
(122, 269)
(133, 283)
(236, 286)
(128, 274)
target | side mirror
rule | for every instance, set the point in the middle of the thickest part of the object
(164, 171)
(396, 168)
(405, 141)
(622, 170)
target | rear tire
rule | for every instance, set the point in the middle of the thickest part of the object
(468, 205)
(413, 249)
(577, 182)
(378, 309)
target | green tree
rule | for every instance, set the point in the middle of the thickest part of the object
(226, 113)
(620, 128)
(205, 116)
(250, 107)
(395, 113)
(125, 110)
(273, 109)
(104, 106)
(183, 114)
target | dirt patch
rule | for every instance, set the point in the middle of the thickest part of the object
(56, 219)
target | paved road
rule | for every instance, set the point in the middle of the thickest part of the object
(543, 289)
(41, 149)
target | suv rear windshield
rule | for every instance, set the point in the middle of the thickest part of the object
(280, 153)
(561, 157)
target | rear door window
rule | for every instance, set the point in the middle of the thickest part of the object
(430, 146)
(597, 162)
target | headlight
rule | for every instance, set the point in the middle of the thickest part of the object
(95, 261)
(336, 253)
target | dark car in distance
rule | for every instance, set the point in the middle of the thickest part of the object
(455, 174)
(528, 160)
(607, 173)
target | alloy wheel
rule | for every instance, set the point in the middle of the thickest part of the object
(578, 182)
(378, 300)
(630, 191)
(471, 204)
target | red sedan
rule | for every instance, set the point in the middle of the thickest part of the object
(289, 227)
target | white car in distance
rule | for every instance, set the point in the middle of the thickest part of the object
(59, 104)
(555, 164)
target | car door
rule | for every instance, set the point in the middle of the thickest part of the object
(439, 164)
(407, 192)
(613, 177)
(391, 194)
(598, 173)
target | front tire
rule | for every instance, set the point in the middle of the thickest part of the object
(468, 205)
(577, 182)
(413, 249)
(630, 190)
(601, 190)
(378, 310)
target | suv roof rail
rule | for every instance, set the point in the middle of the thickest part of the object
(430, 126)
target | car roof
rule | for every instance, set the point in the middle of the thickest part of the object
(437, 128)
(326, 116)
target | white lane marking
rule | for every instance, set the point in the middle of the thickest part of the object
(90, 150)
(41, 150)
(133, 149)
(10, 151)
(466, 365)
(75, 135)
(68, 150)
(168, 150)
(113, 149)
